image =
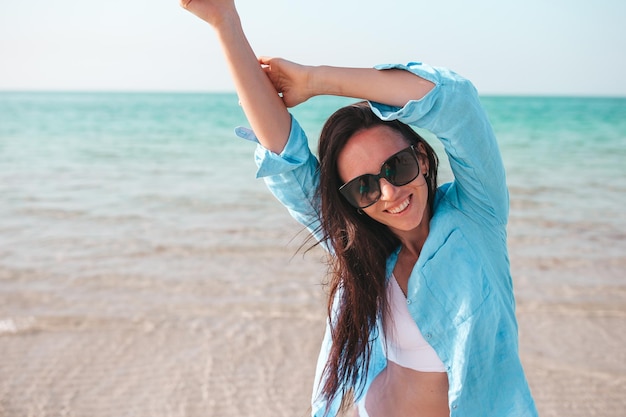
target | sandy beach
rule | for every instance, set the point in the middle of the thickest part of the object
(129, 346)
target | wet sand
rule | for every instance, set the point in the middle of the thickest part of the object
(235, 331)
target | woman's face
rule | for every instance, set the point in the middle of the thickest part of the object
(401, 208)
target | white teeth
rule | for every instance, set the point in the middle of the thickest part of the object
(401, 207)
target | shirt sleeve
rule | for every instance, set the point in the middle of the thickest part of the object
(452, 111)
(292, 176)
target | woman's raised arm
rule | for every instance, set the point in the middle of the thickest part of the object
(264, 109)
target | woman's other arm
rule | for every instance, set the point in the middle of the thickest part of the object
(298, 83)
(264, 109)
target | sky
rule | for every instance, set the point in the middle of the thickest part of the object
(521, 47)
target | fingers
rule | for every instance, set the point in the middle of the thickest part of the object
(265, 61)
(185, 3)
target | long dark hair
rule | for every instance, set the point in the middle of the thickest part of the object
(361, 246)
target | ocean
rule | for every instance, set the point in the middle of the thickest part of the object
(145, 271)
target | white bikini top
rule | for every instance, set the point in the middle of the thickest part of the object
(405, 344)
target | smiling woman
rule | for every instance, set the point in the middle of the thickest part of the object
(373, 203)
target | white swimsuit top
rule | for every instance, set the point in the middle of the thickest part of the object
(405, 344)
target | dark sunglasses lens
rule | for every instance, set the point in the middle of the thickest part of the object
(402, 168)
(362, 191)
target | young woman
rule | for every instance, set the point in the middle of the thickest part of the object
(421, 309)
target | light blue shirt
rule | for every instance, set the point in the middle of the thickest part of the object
(460, 292)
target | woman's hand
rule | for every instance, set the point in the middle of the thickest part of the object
(293, 81)
(214, 12)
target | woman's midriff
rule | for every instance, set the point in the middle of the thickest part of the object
(402, 392)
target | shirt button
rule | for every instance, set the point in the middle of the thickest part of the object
(408, 301)
(428, 335)
(454, 407)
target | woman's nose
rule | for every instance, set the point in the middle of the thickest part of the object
(387, 190)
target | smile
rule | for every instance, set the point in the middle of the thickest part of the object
(401, 207)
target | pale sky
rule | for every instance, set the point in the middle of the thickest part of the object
(528, 47)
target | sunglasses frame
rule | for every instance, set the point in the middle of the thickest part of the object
(348, 196)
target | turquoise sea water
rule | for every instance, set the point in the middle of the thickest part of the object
(144, 270)
(81, 171)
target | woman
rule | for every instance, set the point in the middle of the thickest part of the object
(421, 310)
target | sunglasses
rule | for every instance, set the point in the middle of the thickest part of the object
(400, 169)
